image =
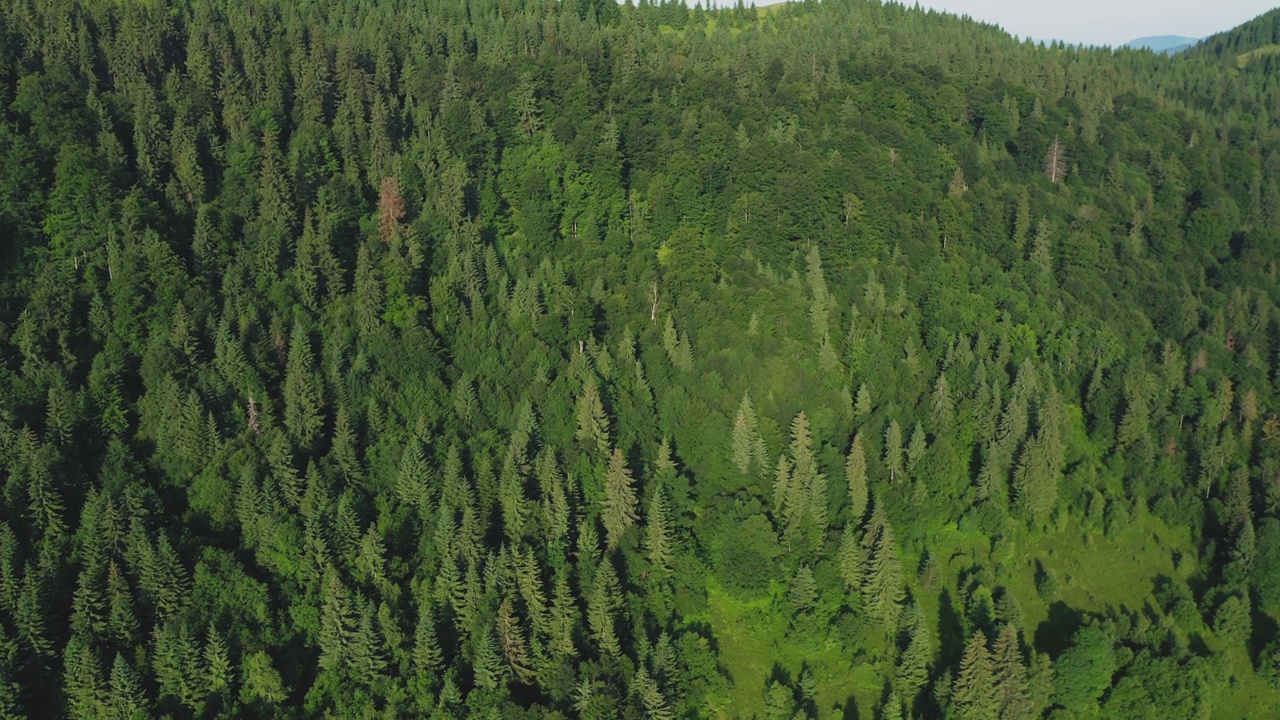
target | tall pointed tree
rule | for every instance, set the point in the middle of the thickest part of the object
(972, 694)
(619, 511)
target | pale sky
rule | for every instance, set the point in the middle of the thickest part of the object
(1101, 22)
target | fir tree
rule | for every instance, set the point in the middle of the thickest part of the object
(602, 602)
(1010, 677)
(804, 590)
(744, 435)
(883, 590)
(913, 665)
(972, 694)
(619, 507)
(893, 450)
(855, 473)
(302, 399)
(593, 425)
(852, 558)
(657, 533)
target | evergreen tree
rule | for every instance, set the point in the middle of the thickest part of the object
(593, 425)
(804, 590)
(658, 540)
(883, 590)
(488, 665)
(619, 506)
(302, 399)
(1010, 674)
(855, 472)
(602, 602)
(913, 665)
(972, 694)
(893, 450)
(852, 558)
(744, 435)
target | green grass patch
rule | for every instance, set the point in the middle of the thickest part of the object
(756, 636)
(1243, 59)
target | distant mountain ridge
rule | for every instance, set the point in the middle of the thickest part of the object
(1168, 44)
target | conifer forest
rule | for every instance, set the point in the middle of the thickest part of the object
(571, 359)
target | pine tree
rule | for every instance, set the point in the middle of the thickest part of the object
(302, 399)
(912, 672)
(1135, 425)
(942, 407)
(884, 591)
(564, 618)
(744, 435)
(972, 694)
(511, 638)
(370, 296)
(555, 503)
(915, 449)
(86, 692)
(217, 661)
(893, 450)
(602, 602)
(593, 424)
(619, 511)
(413, 474)
(655, 706)
(817, 497)
(852, 558)
(782, 481)
(657, 534)
(337, 625)
(855, 472)
(804, 590)
(1010, 683)
(343, 448)
(125, 699)
(490, 672)
(862, 405)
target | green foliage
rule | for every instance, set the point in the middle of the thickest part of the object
(1084, 671)
(479, 358)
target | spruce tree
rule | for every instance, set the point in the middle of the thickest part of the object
(658, 537)
(884, 590)
(855, 473)
(302, 398)
(893, 450)
(744, 435)
(619, 507)
(488, 666)
(804, 590)
(852, 559)
(511, 638)
(971, 695)
(602, 602)
(913, 665)
(1010, 677)
(593, 424)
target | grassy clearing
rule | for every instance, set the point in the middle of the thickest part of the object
(756, 640)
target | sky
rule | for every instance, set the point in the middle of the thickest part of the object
(1103, 22)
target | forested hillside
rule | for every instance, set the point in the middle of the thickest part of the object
(535, 359)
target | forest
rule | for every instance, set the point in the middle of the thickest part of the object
(574, 359)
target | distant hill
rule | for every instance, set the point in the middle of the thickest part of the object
(1168, 44)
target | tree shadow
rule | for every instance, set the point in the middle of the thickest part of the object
(850, 710)
(950, 632)
(1054, 634)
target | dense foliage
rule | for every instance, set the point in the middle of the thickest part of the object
(509, 358)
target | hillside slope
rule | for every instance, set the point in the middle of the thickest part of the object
(521, 359)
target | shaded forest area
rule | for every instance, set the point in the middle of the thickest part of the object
(531, 359)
